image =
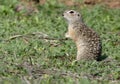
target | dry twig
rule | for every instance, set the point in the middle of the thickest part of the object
(40, 35)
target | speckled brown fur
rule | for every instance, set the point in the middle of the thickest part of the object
(87, 40)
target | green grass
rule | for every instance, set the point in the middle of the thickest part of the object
(38, 61)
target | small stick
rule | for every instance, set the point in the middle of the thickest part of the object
(42, 36)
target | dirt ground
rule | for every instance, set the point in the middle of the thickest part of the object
(30, 6)
(109, 3)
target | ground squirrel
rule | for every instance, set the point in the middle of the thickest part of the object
(87, 40)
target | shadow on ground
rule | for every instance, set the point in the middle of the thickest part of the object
(103, 57)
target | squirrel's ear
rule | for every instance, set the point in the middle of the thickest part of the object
(79, 15)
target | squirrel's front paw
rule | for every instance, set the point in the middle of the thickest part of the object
(66, 35)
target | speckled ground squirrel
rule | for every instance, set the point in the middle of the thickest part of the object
(87, 40)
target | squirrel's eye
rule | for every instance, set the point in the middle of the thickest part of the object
(71, 12)
(78, 14)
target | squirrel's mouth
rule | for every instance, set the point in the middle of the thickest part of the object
(62, 14)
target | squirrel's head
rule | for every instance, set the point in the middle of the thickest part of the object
(72, 16)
